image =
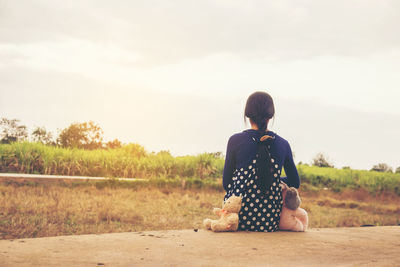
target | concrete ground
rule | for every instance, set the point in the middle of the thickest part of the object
(365, 246)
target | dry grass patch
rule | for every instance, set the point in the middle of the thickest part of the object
(351, 208)
(28, 211)
(51, 209)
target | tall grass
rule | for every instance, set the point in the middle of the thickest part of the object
(337, 180)
(133, 161)
(129, 161)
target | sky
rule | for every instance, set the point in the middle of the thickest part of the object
(175, 75)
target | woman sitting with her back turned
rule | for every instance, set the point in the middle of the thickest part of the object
(253, 164)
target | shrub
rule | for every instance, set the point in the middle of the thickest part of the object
(320, 160)
(382, 167)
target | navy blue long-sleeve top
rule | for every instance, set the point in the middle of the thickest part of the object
(242, 148)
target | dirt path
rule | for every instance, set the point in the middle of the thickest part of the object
(369, 246)
(42, 177)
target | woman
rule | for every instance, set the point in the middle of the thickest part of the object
(253, 164)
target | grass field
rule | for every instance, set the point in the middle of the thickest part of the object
(133, 161)
(338, 180)
(37, 210)
(128, 161)
(180, 192)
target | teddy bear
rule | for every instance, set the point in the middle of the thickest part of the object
(229, 218)
(293, 218)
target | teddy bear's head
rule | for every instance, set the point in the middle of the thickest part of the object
(233, 204)
(292, 198)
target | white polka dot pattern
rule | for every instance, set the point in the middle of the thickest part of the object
(256, 206)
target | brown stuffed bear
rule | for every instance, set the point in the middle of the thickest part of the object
(229, 218)
(293, 218)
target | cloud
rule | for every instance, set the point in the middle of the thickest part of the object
(175, 74)
(164, 32)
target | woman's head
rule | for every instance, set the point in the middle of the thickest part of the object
(259, 109)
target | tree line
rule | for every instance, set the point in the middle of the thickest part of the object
(321, 160)
(86, 135)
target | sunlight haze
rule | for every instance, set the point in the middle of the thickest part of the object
(175, 75)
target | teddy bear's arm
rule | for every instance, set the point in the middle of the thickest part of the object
(233, 218)
(217, 211)
(283, 186)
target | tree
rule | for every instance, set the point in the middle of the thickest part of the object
(114, 144)
(41, 135)
(12, 132)
(398, 170)
(86, 135)
(382, 167)
(320, 160)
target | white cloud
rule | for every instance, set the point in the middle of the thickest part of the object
(169, 31)
(179, 71)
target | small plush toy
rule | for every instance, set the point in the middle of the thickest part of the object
(229, 218)
(292, 218)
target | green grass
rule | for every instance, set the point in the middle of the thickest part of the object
(337, 180)
(129, 161)
(203, 170)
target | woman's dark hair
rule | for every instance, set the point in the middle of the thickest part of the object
(259, 108)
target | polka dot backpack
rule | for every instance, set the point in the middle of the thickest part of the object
(260, 212)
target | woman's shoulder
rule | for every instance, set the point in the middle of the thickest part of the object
(243, 139)
(240, 137)
(280, 139)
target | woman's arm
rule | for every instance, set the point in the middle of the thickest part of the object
(292, 178)
(230, 162)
